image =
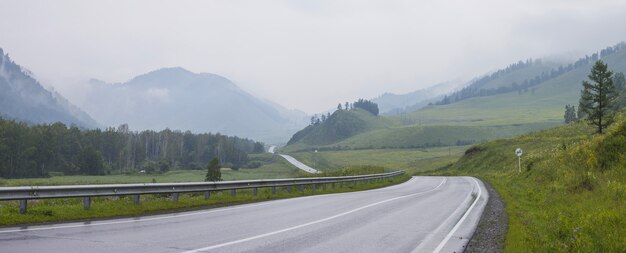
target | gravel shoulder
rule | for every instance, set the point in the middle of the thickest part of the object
(491, 231)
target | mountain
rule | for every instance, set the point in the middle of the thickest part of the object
(542, 102)
(521, 98)
(176, 98)
(393, 104)
(23, 98)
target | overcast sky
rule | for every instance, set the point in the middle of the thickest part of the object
(303, 54)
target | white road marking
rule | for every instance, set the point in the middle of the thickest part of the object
(458, 224)
(311, 223)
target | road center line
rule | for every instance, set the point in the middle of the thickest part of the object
(312, 222)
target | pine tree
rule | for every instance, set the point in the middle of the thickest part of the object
(213, 171)
(339, 107)
(570, 114)
(597, 97)
(620, 85)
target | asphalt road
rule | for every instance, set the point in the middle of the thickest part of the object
(425, 214)
(298, 164)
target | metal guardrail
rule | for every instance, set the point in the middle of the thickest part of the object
(25, 193)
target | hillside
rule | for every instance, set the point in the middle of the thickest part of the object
(392, 104)
(340, 125)
(543, 103)
(482, 118)
(201, 102)
(571, 193)
(24, 98)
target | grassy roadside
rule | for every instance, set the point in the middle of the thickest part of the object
(570, 195)
(63, 210)
(272, 167)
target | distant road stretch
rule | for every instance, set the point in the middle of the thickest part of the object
(425, 214)
(271, 149)
(300, 165)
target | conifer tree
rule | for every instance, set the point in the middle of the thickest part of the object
(213, 171)
(598, 96)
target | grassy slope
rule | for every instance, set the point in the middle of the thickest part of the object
(410, 160)
(564, 200)
(485, 118)
(546, 104)
(273, 167)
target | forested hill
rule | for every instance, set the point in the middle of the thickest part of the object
(200, 102)
(39, 150)
(521, 76)
(23, 98)
(338, 126)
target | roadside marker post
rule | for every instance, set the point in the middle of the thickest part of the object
(518, 153)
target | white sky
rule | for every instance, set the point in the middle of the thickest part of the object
(303, 54)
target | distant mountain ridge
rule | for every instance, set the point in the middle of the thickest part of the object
(176, 98)
(23, 98)
(533, 73)
(392, 104)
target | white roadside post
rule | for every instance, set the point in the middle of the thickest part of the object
(519, 152)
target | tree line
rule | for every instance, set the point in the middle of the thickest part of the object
(39, 150)
(475, 88)
(363, 104)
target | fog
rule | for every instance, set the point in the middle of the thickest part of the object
(305, 55)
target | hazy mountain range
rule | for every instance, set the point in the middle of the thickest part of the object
(23, 98)
(201, 102)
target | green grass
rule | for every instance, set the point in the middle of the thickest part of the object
(570, 195)
(409, 160)
(56, 210)
(437, 135)
(273, 167)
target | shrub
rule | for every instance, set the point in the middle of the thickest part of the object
(254, 164)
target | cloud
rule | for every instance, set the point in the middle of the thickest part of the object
(303, 54)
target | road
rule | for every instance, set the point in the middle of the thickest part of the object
(424, 214)
(298, 164)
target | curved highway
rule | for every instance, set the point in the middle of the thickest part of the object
(424, 214)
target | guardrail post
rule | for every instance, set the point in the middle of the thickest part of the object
(354, 183)
(314, 187)
(323, 186)
(289, 189)
(273, 189)
(136, 199)
(175, 197)
(340, 184)
(207, 194)
(233, 192)
(86, 203)
(254, 191)
(23, 206)
(301, 188)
